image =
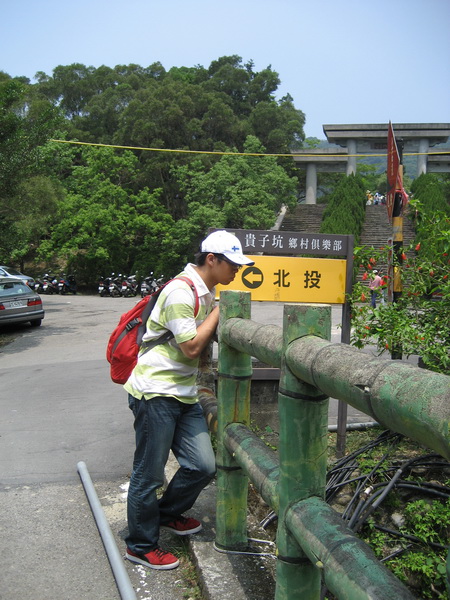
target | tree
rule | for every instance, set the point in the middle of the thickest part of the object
(101, 224)
(189, 108)
(26, 122)
(345, 210)
(237, 192)
(432, 194)
(34, 210)
(368, 174)
(213, 109)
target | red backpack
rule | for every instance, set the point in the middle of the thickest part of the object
(126, 339)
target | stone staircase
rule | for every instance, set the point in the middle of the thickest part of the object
(377, 230)
(305, 218)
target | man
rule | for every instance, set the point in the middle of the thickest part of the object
(162, 394)
(374, 285)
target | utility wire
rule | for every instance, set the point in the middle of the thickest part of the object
(229, 153)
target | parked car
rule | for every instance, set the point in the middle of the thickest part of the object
(11, 272)
(19, 303)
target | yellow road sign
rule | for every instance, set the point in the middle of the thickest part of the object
(292, 279)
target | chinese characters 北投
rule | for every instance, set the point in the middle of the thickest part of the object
(311, 279)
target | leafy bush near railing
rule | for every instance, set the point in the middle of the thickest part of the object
(345, 211)
(417, 322)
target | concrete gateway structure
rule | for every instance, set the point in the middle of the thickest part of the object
(372, 139)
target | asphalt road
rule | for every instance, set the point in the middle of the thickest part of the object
(59, 407)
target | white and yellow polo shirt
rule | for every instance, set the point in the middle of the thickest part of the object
(165, 370)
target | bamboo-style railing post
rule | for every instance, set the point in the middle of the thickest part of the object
(234, 379)
(303, 413)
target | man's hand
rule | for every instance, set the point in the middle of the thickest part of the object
(194, 347)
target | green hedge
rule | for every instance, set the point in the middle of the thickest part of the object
(345, 211)
(430, 191)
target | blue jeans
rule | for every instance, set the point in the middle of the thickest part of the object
(162, 424)
(373, 298)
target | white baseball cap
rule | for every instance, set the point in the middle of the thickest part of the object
(223, 242)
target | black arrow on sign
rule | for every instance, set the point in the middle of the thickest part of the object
(252, 277)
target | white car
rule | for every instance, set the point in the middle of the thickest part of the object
(11, 272)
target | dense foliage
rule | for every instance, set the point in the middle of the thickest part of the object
(345, 211)
(27, 198)
(418, 321)
(94, 209)
(237, 191)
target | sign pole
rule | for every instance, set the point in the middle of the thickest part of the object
(397, 245)
(341, 435)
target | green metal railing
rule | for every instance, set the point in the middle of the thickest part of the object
(312, 540)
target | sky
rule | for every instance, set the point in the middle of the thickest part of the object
(342, 61)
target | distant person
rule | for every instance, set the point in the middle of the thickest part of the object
(374, 284)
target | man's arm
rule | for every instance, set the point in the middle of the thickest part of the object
(193, 348)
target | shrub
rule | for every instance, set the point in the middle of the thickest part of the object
(345, 211)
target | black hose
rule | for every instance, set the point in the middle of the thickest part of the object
(375, 503)
(396, 553)
(430, 488)
(363, 484)
(340, 475)
(407, 536)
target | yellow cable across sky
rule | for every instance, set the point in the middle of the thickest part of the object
(290, 155)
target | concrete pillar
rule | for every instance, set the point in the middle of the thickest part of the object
(351, 163)
(311, 183)
(422, 159)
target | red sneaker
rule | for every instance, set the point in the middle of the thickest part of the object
(155, 559)
(183, 526)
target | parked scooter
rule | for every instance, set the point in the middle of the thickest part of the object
(39, 285)
(148, 285)
(159, 282)
(49, 284)
(115, 286)
(129, 286)
(103, 286)
(67, 284)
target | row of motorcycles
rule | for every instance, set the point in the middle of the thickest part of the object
(119, 285)
(51, 284)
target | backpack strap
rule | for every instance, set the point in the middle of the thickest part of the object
(194, 290)
(146, 346)
(168, 335)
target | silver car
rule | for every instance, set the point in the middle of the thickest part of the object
(19, 303)
(11, 272)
